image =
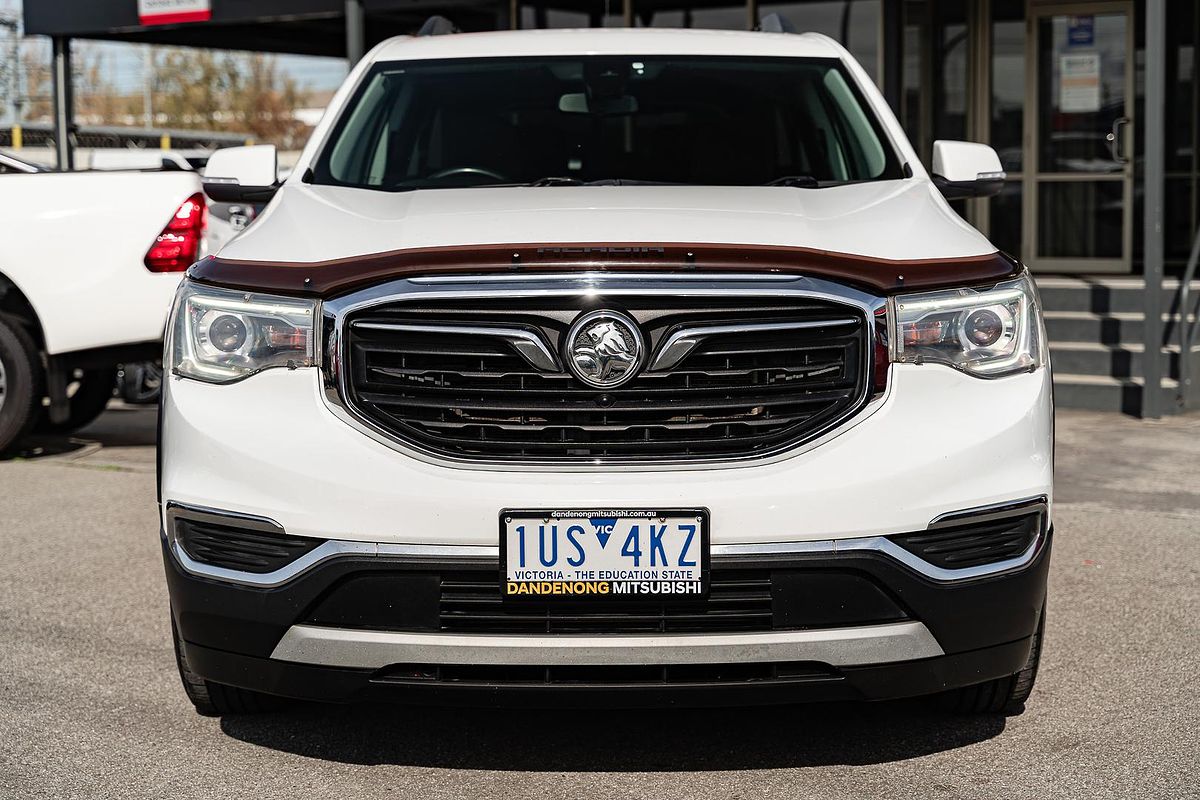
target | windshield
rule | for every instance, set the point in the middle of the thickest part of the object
(568, 121)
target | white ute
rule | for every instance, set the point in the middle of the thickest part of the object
(89, 262)
(607, 366)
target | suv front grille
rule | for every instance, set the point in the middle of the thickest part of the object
(467, 599)
(738, 600)
(485, 381)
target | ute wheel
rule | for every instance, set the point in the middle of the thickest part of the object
(216, 699)
(140, 383)
(20, 382)
(1003, 695)
(89, 401)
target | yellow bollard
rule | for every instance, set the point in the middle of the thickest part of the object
(165, 141)
(16, 137)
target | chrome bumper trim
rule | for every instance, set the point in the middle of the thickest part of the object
(334, 548)
(490, 554)
(879, 544)
(839, 647)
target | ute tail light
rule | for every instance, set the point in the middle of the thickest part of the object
(178, 246)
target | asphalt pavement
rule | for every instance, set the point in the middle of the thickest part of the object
(91, 706)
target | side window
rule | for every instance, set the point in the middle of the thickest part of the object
(379, 159)
(860, 139)
(386, 160)
(356, 146)
(824, 144)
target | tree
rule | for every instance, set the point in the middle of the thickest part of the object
(241, 92)
(191, 89)
(266, 103)
(97, 102)
(39, 101)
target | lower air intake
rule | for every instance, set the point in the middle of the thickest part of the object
(958, 544)
(608, 675)
(240, 549)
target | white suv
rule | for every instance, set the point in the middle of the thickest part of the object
(659, 374)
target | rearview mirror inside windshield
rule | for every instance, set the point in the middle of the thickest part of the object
(579, 103)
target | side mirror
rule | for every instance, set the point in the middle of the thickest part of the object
(966, 169)
(242, 174)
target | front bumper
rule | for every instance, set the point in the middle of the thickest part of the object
(850, 625)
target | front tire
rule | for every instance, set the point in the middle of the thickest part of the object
(1005, 695)
(213, 699)
(20, 382)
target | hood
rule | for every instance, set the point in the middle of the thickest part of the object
(893, 220)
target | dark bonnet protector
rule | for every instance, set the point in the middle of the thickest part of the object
(331, 278)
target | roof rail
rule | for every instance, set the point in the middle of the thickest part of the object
(776, 23)
(438, 25)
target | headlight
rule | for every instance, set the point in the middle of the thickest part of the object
(989, 332)
(221, 335)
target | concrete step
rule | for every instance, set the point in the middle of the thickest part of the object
(1106, 295)
(1113, 328)
(1103, 393)
(1115, 361)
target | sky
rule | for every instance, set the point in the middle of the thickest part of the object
(124, 63)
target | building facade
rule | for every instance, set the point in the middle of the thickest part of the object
(1056, 87)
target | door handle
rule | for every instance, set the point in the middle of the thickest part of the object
(1116, 142)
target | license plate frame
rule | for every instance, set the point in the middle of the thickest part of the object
(549, 516)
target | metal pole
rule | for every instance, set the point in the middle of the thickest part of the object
(1156, 76)
(19, 98)
(844, 35)
(1186, 331)
(892, 23)
(14, 58)
(356, 32)
(979, 115)
(148, 88)
(14, 71)
(64, 103)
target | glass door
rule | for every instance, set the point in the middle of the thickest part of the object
(1078, 185)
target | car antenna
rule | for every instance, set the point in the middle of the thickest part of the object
(437, 25)
(773, 23)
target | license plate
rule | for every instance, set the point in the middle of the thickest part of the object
(604, 554)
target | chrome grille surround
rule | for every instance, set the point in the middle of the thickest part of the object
(595, 290)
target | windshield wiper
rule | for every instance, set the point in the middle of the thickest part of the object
(556, 180)
(798, 181)
(631, 182)
(566, 181)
